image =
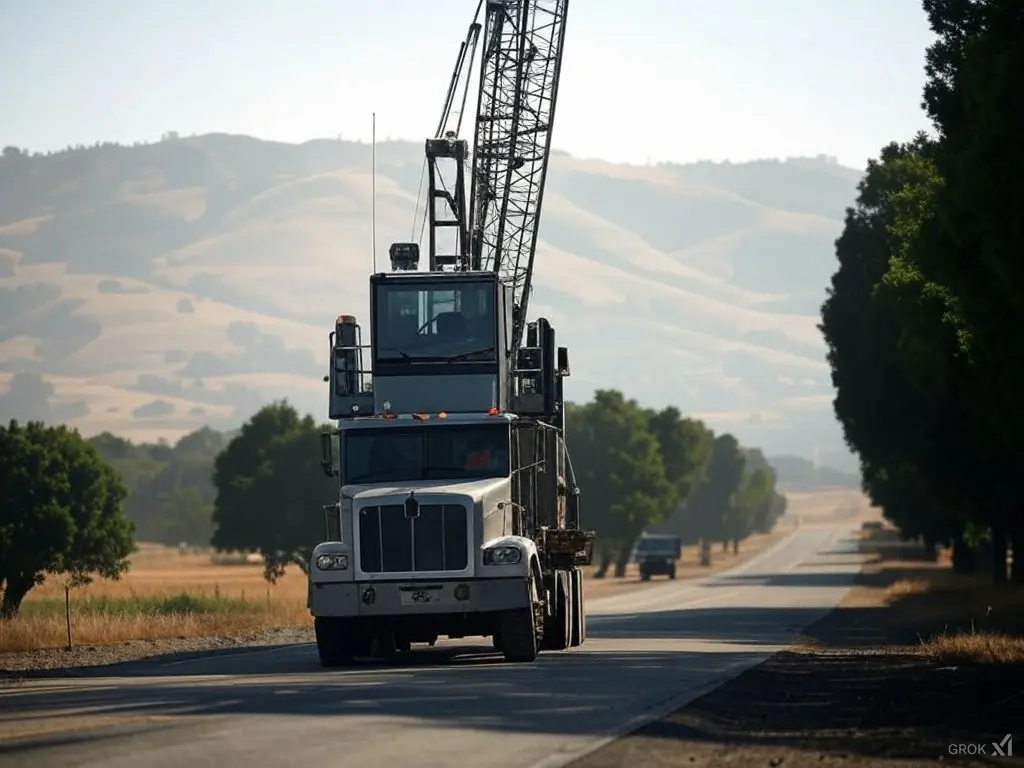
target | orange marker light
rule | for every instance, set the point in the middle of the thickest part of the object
(421, 416)
(442, 416)
(492, 412)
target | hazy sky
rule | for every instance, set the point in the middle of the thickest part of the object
(677, 80)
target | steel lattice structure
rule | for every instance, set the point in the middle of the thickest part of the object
(520, 65)
(519, 73)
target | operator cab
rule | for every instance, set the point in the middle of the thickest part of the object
(439, 341)
(434, 321)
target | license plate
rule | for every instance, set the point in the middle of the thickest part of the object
(420, 596)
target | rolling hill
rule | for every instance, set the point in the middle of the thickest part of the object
(151, 289)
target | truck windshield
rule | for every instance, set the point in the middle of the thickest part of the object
(652, 545)
(410, 454)
(434, 322)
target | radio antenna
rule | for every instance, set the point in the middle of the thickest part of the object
(373, 191)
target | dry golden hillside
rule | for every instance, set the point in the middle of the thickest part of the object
(159, 287)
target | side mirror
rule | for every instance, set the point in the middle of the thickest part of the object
(327, 453)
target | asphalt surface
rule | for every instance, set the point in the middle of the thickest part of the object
(455, 705)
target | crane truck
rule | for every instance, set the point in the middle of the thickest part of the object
(458, 510)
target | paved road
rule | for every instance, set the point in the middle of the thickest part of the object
(452, 706)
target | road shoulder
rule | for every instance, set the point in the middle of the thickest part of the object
(861, 690)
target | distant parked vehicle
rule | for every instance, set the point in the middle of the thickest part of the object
(656, 555)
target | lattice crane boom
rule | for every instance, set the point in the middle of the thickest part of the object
(519, 73)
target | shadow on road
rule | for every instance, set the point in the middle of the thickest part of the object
(468, 688)
(801, 579)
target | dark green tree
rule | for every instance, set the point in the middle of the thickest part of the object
(892, 347)
(61, 513)
(710, 503)
(972, 242)
(620, 472)
(685, 446)
(765, 514)
(271, 488)
(752, 507)
(170, 488)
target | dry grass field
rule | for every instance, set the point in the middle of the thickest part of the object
(168, 594)
(958, 619)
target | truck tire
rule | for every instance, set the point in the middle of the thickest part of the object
(333, 644)
(519, 641)
(644, 575)
(579, 611)
(558, 628)
(672, 572)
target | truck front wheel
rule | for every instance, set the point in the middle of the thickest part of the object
(333, 642)
(518, 631)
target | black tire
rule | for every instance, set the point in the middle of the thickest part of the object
(558, 628)
(672, 572)
(333, 644)
(519, 641)
(579, 611)
(645, 576)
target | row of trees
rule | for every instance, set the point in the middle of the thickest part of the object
(924, 312)
(637, 468)
(170, 487)
(643, 469)
(70, 513)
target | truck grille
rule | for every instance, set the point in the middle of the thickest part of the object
(437, 540)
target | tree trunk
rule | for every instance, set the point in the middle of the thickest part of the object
(998, 554)
(604, 562)
(705, 553)
(725, 545)
(625, 550)
(735, 546)
(15, 589)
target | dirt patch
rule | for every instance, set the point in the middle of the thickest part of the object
(872, 684)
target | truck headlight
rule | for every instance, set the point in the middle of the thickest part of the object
(332, 562)
(503, 556)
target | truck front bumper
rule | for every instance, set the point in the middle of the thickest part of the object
(656, 566)
(411, 598)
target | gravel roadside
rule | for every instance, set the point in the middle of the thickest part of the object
(859, 693)
(59, 661)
